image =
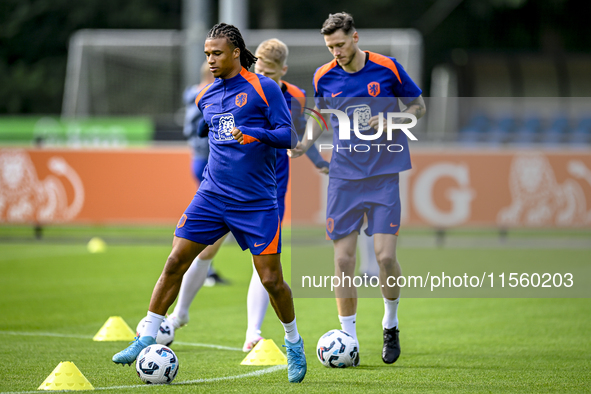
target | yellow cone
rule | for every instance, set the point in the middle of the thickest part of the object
(265, 353)
(115, 329)
(66, 376)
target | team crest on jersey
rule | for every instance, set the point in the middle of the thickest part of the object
(330, 225)
(373, 88)
(363, 114)
(182, 221)
(222, 127)
(241, 99)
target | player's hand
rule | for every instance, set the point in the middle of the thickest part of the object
(237, 134)
(323, 167)
(374, 122)
(297, 151)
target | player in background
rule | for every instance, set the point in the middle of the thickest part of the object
(248, 120)
(364, 184)
(272, 56)
(200, 153)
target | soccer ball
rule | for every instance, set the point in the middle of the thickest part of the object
(157, 364)
(165, 334)
(337, 349)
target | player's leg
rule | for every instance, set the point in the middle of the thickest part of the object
(257, 301)
(163, 295)
(199, 226)
(385, 246)
(345, 212)
(193, 281)
(384, 224)
(271, 274)
(346, 294)
(260, 231)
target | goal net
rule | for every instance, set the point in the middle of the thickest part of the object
(140, 72)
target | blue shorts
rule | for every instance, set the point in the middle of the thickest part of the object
(349, 200)
(281, 207)
(207, 219)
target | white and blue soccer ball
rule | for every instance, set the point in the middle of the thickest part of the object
(157, 364)
(165, 334)
(337, 349)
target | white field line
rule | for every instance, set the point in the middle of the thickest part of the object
(141, 386)
(234, 377)
(51, 334)
(236, 349)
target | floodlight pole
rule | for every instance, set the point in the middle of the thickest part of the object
(196, 24)
(234, 12)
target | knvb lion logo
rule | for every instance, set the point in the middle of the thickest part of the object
(182, 221)
(222, 126)
(330, 225)
(241, 99)
(373, 88)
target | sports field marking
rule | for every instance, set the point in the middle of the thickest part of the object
(208, 345)
(51, 334)
(140, 386)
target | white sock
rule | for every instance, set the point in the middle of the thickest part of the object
(291, 331)
(390, 313)
(348, 325)
(192, 281)
(257, 302)
(152, 324)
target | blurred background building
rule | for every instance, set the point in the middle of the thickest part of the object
(105, 58)
(501, 76)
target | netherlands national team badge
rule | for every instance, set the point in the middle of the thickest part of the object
(241, 99)
(182, 221)
(373, 88)
(330, 224)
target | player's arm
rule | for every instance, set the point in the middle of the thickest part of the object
(307, 142)
(280, 135)
(299, 121)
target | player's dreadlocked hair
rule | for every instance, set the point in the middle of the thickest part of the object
(232, 34)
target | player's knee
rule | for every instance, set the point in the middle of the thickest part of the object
(271, 282)
(344, 263)
(386, 261)
(173, 266)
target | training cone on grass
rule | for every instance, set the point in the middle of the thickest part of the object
(66, 376)
(115, 329)
(265, 353)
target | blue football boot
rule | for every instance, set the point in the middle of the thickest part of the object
(296, 361)
(127, 356)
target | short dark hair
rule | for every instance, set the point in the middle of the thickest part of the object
(334, 22)
(232, 34)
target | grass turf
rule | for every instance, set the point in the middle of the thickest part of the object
(453, 345)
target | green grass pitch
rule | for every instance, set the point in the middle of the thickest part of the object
(54, 296)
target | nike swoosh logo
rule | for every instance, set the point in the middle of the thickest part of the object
(207, 105)
(257, 245)
(393, 225)
(336, 94)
